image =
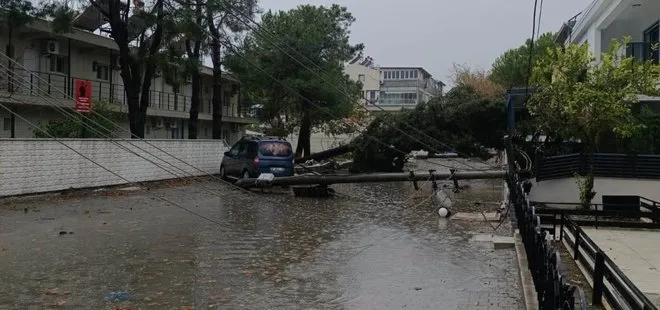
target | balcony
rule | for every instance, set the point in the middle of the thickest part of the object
(59, 87)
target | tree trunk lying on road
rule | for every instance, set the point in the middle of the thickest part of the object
(340, 150)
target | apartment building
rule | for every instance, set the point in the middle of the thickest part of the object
(404, 87)
(393, 88)
(49, 65)
(363, 70)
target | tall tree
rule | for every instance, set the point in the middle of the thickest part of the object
(587, 100)
(511, 69)
(191, 25)
(321, 35)
(223, 19)
(138, 30)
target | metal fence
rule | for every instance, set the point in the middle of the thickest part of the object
(60, 86)
(605, 165)
(609, 282)
(552, 289)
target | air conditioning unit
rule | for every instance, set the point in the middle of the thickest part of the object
(51, 47)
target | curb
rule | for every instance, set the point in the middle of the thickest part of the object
(526, 281)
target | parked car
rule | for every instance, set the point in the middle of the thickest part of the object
(252, 156)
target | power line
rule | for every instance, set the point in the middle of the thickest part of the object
(3, 106)
(538, 31)
(86, 124)
(325, 110)
(531, 50)
(269, 36)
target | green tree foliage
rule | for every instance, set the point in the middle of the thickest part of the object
(511, 69)
(321, 35)
(139, 30)
(579, 98)
(100, 124)
(464, 120)
(225, 20)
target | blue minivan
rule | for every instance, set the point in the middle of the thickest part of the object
(252, 156)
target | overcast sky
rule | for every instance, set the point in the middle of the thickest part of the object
(436, 33)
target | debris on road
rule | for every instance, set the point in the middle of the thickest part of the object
(116, 296)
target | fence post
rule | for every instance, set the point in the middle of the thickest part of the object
(599, 271)
(554, 226)
(561, 228)
(576, 246)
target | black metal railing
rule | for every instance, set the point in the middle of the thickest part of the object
(544, 260)
(601, 215)
(60, 86)
(605, 165)
(609, 282)
(642, 51)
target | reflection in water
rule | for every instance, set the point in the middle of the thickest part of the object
(364, 251)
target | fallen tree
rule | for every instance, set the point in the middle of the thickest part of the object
(463, 121)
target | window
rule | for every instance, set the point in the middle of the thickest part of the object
(235, 148)
(397, 75)
(243, 149)
(282, 149)
(652, 37)
(415, 75)
(225, 99)
(6, 124)
(59, 64)
(103, 72)
(372, 94)
(361, 77)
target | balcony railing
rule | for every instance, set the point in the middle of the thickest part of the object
(60, 86)
(642, 51)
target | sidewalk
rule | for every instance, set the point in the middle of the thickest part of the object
(636, 252)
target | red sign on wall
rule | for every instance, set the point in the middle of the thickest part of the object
(83, 96)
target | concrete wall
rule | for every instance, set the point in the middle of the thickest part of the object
(565, 190)
(29, 166)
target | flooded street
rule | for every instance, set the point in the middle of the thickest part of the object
(376, 246)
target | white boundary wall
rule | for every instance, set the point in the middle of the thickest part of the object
(29, 166)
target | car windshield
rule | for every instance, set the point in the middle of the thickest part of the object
(275, 148)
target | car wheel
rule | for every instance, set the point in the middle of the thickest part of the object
(246, 174)
(223, 173)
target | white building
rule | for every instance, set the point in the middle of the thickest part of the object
(392, 88)
(406, 87)
(49, 64)
(604, 20)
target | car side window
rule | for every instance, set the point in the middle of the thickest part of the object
(242, 151)
(234, 150)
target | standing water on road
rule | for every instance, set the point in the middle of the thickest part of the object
(376, 246)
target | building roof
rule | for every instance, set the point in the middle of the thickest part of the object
(403, 68)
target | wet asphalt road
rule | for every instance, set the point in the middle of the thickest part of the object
(378, 246)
